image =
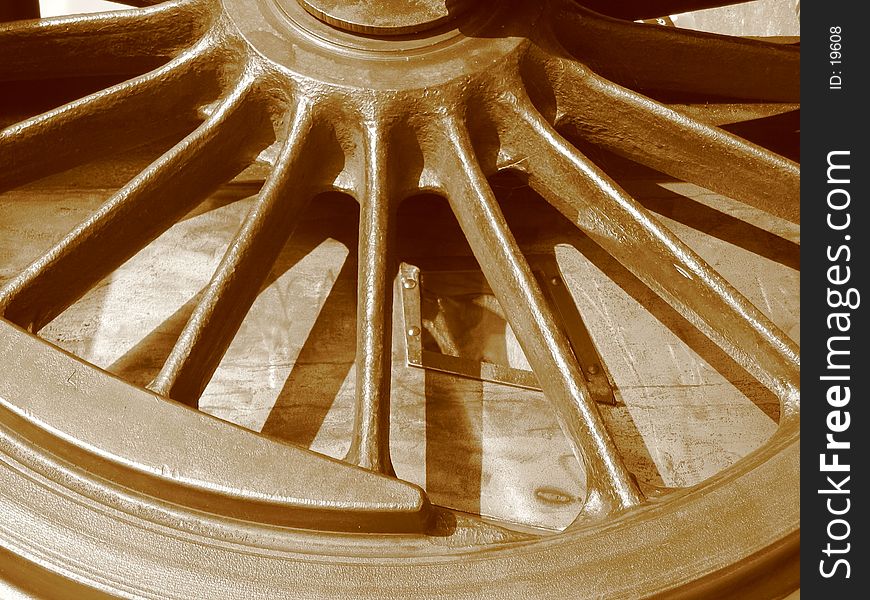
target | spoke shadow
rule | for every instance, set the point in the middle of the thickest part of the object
(321, 367)
(623, 428)
(141, 363)
(565, 233)
(328, 352)
(453, 405)
(778, 133)
(515, 199)
(454, 440)
(714, 223)
(687, 333)
(642, 183)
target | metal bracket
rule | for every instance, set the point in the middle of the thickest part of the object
(412, 282)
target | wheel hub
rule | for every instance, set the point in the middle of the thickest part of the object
(393, 17)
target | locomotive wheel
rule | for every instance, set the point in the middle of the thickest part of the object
(111, 488)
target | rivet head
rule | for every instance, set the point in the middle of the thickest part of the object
(413, 331)
(554, 281)
(409, 284)
(594, 369)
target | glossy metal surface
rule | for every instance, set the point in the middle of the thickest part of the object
(391, 17)
(267, 87)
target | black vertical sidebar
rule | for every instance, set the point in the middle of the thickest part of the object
(835, 421)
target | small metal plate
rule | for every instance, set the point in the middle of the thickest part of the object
(454, 324)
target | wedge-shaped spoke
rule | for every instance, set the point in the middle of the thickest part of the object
(174, 184)
(166, 450)
(244, 268)
(622, 227)
(729, 113)
(662, 138)
(668, 59)
(123, 116)
(370, 447)
(648, 9)
(127, 41)
(610, 485)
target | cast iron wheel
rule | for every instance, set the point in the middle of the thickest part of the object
(380, 105)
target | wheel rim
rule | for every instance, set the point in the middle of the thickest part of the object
(485, 95)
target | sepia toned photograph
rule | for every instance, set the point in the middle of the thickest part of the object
(404, 299)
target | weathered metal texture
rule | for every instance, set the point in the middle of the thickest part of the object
(390, 17)
(610, 487)
(379, 119)
(370, 447)
(180, 463)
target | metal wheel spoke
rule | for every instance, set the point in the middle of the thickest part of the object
(245, 266)
(728, 113)
(140, 211)
(622, 227)
(610, 485)
(370, 447)
(633, 10)
(672, 142)
(634, 55)
(145, 108)
(107, 43)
